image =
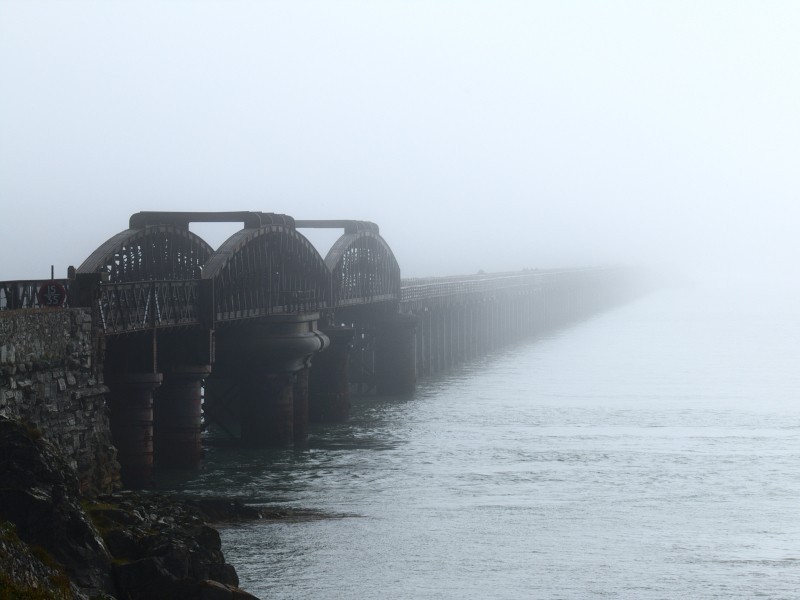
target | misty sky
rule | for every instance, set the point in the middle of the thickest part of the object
(478, 135)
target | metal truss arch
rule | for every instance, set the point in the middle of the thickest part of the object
(267, 270)
(363, 269)
(154, 252)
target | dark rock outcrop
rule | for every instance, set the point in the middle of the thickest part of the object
(131, 545)
(25, 573)
(162, 547)
(39, 494)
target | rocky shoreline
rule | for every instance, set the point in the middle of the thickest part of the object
(56, 544)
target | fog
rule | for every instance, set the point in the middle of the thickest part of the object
(478, 135)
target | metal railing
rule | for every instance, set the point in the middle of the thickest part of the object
(424, 288)
(143, 305)
(130, 307)
(34, 293)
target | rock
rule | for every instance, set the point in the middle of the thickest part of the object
(39, 495)
(213, 590)
(223, 510)
(146, 578)
(121, 542)
(126, 545)
(160, 545)
(23, 574)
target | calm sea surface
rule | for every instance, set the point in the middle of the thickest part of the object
(650, 452)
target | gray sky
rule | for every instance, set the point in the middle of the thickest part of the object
(478, 135)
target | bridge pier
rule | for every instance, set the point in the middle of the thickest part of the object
(131, 400)
(300, 405)
(438, 339)
(395, 355)
(268, 409)
(423, 343)
(178, 417)
(184, 357)
(329, 384)
(271, 360)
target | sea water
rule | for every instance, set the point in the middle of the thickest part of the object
(652, 451)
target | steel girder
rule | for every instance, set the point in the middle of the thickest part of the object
(364, 269)
(154, 252)
(267, 270)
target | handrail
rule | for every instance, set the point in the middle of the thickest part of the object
(144, 305)
(417, 289)
(34, 293)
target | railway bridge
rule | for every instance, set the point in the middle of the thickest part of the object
(264, 335)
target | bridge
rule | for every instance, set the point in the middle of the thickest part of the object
(264, 335)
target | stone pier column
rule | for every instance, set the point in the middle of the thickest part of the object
(395, 355)
(329, 385)
(131, 401)
(177, 416)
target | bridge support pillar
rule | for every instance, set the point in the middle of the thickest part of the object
(300, 404)
(395, 355)
(177, 417)
(329, 385)
(274, 399)
(268, 410)
(131, 400)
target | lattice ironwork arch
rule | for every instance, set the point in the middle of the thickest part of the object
(363, 269)
(155, 252)
(267, 270)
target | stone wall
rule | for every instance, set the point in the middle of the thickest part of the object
(51, 377)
